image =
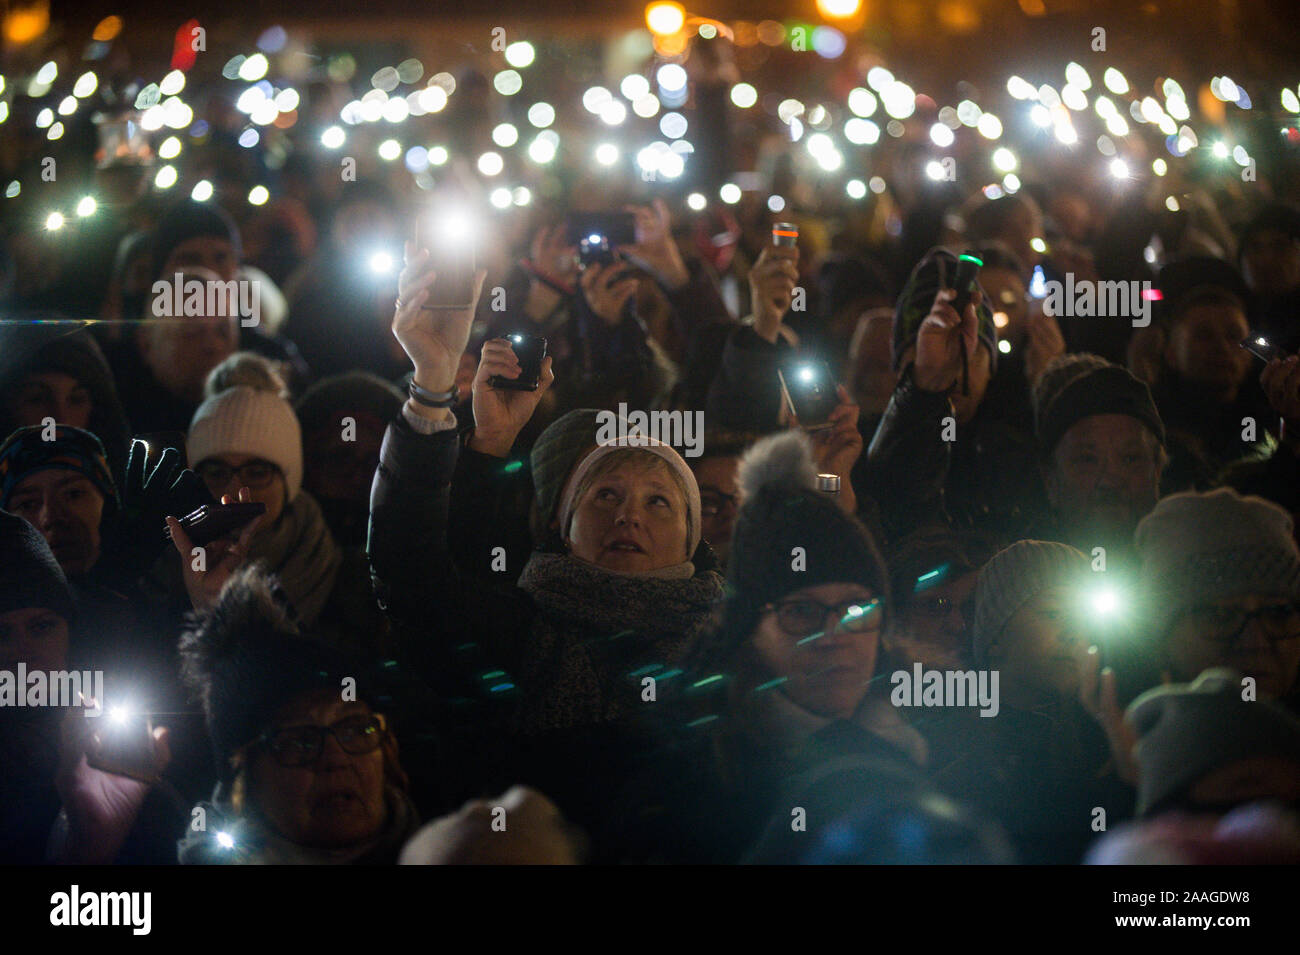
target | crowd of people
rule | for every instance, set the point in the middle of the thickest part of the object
(1028, 592)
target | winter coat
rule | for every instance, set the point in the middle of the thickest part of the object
(551, 666)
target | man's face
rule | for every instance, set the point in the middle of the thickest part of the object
(205, 252)
(181, 352)
(718, 501)
(1042, 651)
(1270, 262)
(1257, 634)
(66, 507)
(1205, 346)
(1104, 476)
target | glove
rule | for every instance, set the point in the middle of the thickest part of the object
(148, 497)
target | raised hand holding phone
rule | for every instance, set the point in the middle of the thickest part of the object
(500, 411)
(945, 340)
(433, 338)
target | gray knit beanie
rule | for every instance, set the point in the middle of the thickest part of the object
(1077, 386)
(1014, 575)
(1201, 547)
(555, 453)
(1187, 730)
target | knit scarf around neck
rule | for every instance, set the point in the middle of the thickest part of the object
(300, 550)
(593, 627)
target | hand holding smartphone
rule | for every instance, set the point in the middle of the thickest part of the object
(451, 242)
(212, 522)
(809, 389)
(529, 350)
(123, 743)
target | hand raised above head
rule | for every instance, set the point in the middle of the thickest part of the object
(433, 338)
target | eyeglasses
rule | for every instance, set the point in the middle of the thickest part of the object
(712, 503)
(1225, 625)
(254, 475)
(302, 745)
(804, 618)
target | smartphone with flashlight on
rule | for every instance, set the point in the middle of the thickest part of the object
(530, 350)
(449, 237)
(215, 521)
(1262, 348)
(125, 744)
(808, 388)
(617, 228)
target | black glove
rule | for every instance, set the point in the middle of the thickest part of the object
(148, 497)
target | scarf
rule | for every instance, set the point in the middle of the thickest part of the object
(251, 840)
(597, 634)
(300, 550)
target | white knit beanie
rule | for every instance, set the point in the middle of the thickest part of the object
(246, 420)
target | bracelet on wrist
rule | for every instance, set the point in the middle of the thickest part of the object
(432, 399)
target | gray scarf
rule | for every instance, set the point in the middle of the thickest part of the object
(597, 633)
(300, 550)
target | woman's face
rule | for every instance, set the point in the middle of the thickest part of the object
(827, 666)
(336, 800)
(631, 519)
(51, 394)
(265, 483)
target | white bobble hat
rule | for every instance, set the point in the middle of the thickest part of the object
(249, 421)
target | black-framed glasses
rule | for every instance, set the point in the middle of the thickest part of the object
(1225, 625)
(302, 745)
(801, 617)
(254, 475)
(713, 503)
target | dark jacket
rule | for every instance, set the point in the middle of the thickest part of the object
(539, 684)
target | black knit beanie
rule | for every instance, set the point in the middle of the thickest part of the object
(190, 219)
(29, 574)
(245, 658)
(936, 270)
(788, 536)
(1079, 385)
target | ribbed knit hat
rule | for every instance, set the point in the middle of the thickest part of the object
(780, 513)
(555, 452)
(648, 445)
(1201, 547)
(244, 420)
(1187, 730)
(1012, 577)
(30, 576)
(1078, 385)
(936, 270)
